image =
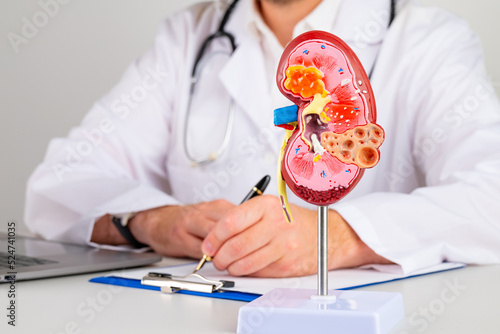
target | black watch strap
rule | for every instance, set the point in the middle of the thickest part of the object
(125, 232)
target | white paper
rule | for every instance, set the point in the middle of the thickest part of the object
(337, 279)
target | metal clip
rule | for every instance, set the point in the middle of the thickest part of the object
(191, 282)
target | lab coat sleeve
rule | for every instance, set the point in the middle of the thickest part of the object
(453, 128)
(114, 161)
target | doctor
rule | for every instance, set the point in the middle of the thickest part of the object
(172, 165)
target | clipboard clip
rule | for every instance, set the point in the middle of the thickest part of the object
(192, 282)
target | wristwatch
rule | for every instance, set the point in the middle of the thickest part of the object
(121, 223)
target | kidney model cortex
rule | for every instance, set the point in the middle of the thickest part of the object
(334, 137)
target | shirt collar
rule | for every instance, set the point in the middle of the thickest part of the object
(255, 24)
(321, 18)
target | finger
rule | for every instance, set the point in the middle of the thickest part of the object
(274, 270)
(200, 219)
(235, 222)
(243, 244)
(193, 247)
(288, 267)
(189, 246)
(218, 209)
(199, 225)
(255, 262)
(214, 210)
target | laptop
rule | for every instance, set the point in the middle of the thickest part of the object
(36, 258)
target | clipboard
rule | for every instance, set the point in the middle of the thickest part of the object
(135, 283)
(247, 289)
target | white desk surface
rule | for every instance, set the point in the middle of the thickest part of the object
(458, 301)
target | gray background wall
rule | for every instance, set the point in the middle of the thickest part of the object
(50, 83)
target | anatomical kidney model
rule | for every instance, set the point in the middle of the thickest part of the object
(331, 136)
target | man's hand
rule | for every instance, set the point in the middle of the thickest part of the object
(253, 239)
(169, 230)
(178, 230)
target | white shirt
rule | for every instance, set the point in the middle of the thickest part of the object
(433, 196)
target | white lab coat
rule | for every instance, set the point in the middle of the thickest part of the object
(434, 196)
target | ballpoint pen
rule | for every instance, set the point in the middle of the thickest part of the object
(257, 190)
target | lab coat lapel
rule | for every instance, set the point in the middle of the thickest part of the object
(363, 25)
(245, 79)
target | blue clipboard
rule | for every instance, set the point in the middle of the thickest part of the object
(135, 283)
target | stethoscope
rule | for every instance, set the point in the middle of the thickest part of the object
(195, 76)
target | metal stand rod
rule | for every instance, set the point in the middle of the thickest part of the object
(323, 250)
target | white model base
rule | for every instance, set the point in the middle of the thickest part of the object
(300, 311)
